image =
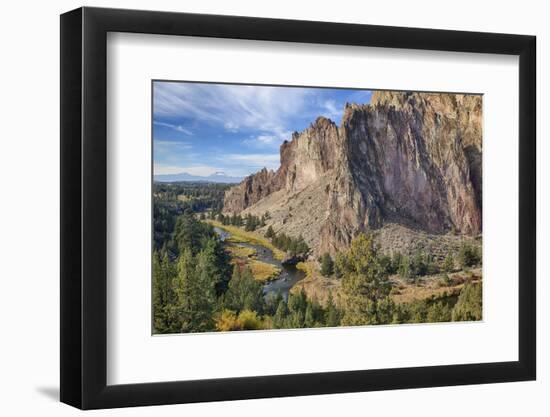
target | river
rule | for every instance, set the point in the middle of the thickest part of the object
(288, 277)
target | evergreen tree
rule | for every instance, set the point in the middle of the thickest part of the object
(332, 314)
(297, 302)
(272, 303)
(244, 292)
(397, 259)
(339, 265)
(163, 296)
(405, 268)
(438, 312)
(309, 316)
(279, 318)
(189, 233)
(195, 294)
(269, 232)
(385, 308)
(469, 304)
(327, 265)
(468, 256)
(418, 265)
(386, 263)
(296, 320)
(448, 263)
(217, 263)
(364, 283)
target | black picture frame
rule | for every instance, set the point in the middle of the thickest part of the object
(84, 207)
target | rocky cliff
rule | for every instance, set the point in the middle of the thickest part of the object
(407, 159)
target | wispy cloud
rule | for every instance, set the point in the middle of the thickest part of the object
(234, 107)
(177, 128)
(172, 144)
(231, 126)
(268, 139)
(330, 110)
(236, 128)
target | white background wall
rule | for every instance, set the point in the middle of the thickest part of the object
(29, 225)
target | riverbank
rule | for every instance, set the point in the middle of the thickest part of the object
(261, 257)
(239, 235)
(248, 256)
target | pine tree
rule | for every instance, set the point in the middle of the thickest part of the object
(297, 302)
(364, 283)
(405, 269)
(163, 297)
(194, 293)
(397, 259)
(244, 292)
(332, 314)
(309, 317)
(448, 263)
(217, 264)
(469, 304)
(279, 318)
(269, 232)
(438, 312)
(468, 256)
(327, 265)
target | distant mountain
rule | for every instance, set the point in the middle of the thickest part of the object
(218, 177)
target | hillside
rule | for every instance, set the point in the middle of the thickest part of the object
(408, 166)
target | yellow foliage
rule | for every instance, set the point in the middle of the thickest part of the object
(249, 320)
(306, 267)
(241, 235)
(246, 320)
(263, 271)
(227, 321)
(240, 251)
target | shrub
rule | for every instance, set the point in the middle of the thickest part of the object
(468, 255)
(227, 321)
(246, 320)
(249, 320)
(445, 280)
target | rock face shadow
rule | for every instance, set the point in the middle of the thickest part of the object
(50, 392)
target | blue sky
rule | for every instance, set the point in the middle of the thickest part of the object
(236, 129)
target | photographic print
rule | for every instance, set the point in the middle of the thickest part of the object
(281, 207)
